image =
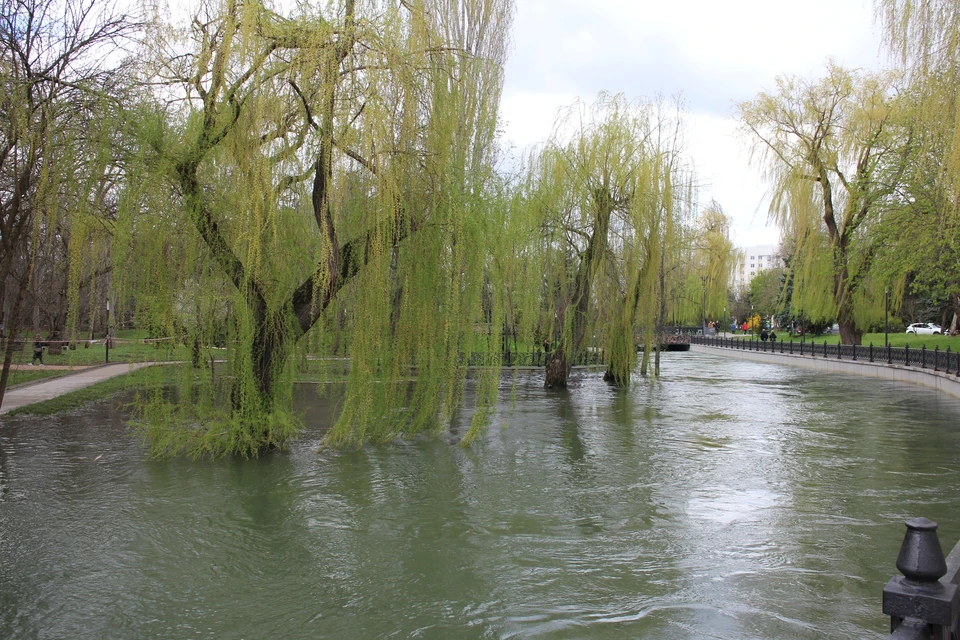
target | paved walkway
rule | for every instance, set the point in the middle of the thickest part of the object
(49, 389)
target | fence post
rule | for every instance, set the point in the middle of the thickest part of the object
(906, 355)
(871, 352)
(947, 370)
(936, 358)
(824, 348)
(919, 598)
(889, 354)
(923, 356)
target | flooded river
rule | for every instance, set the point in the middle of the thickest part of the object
(729, 499)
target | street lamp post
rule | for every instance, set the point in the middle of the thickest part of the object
(886, 317)
(107, 341)
(703, 307)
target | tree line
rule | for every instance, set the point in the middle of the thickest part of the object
(328, 181)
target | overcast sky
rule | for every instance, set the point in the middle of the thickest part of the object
(716, 52)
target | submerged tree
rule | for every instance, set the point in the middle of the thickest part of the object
(336, 155)
(609, 188)
(834, 152)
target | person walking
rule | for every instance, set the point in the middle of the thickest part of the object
(37, 350)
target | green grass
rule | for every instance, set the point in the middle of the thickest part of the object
(95, 353)
(29, 375)
(149, 376)
(896, 340)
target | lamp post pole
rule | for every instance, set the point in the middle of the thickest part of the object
(107, 341)
(703, 306)
(886, 317)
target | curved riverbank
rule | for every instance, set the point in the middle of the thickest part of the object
(939, 380)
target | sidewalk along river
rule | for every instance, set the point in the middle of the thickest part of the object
(729, 499)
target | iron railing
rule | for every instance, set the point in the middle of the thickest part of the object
(536, 358)
(947, 361)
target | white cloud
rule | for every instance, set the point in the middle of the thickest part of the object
(715, 53)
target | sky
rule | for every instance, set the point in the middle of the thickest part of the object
(716, 53)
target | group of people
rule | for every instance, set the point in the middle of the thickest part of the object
(764, 336)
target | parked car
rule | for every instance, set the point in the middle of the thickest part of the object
(928, 328)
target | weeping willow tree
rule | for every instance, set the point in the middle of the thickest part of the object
(608, 188)
(925, 232)
(59, 107)
(651, 242)
(331, 158)
(705, 269)
(833, 151)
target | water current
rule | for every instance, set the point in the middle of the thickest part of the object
(728, 499)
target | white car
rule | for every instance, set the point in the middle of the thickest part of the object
(920, 328)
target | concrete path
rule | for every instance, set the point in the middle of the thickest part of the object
(48, 389)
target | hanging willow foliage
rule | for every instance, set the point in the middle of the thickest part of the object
(705, 268)
(60, 102)
(835, 151)
(316, 174)
(924, 231)
(609, 191)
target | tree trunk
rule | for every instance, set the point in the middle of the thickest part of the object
(849, 334)
(956, 314)
(12, 325)
(558, 369)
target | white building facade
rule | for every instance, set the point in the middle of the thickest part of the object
(754, 260)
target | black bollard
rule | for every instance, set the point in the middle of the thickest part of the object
(919, 596)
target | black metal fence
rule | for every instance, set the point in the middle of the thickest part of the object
(924, 602)
(947, 361)
(537, 358)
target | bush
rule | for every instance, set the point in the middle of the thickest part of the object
(894, 325)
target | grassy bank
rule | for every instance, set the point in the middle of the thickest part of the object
(129, 346)
(896, 340)
(24, 376)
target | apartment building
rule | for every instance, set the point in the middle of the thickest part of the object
(752, 261)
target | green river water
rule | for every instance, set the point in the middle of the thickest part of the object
(729, 499)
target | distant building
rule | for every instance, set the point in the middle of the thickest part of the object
(753, 260)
